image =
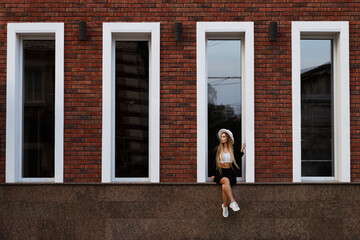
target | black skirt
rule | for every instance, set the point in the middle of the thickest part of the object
(225, 172)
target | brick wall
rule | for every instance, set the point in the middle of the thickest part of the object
(83, 77)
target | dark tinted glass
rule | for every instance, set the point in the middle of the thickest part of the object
(132, 109)
(38, 109)
(224, 95)
(316, 108)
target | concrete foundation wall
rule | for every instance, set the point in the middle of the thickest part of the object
(178, 211)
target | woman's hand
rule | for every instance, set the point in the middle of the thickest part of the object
(243, 147)
(212, 179)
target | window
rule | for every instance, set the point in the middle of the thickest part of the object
(225, 91)
(316, 108)
(131, 98)
(321, 126)
(35, 105)
(132, 109)
(38, 108)
(224, 95)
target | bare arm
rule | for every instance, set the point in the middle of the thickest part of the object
(243, 147)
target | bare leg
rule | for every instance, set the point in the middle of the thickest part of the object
(226, 190)
(224, 197)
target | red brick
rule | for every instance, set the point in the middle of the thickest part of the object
(273, 96)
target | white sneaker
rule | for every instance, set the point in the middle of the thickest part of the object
(225, 211)
(234, 206)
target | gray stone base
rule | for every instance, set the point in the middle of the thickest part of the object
(178, 211)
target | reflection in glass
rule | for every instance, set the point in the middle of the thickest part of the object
(224, 95)
(38, 108)
(316, 108)
(132, 109)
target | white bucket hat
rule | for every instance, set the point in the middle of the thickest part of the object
(223, 130)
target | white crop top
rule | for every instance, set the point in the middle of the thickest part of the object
(226, 159)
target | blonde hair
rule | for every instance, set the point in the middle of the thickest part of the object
(220, 153)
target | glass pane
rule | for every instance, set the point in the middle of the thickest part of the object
(316, 108)
(38, 109)
(132, 109)
(224, 95)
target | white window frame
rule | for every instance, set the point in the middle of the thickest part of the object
(339, 32)
(130, 31)
(14, 97)
(226, 29)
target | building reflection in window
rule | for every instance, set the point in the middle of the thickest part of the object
(38, 108)
(132, 109)
(317, 108)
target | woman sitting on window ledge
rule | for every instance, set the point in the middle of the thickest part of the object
(225, 172)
